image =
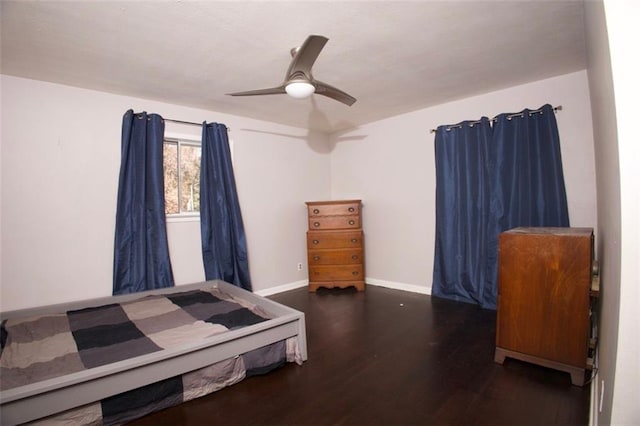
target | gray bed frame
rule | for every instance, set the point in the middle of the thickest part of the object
(48, 397)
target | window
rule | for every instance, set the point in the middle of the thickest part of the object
(181, 177)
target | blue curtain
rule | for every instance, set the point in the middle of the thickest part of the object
(489, 180)
(529, 179)
(463, 198)
(141, 252)
(224, 246)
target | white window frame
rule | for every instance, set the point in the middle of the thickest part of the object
(190, 140)
(194, 140)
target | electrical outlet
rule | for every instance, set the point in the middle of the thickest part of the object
(299, 266)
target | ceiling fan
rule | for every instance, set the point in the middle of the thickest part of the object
(298, 82)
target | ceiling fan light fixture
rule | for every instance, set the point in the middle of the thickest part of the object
(300, 89)
(298, 81)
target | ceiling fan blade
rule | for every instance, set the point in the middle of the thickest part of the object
(271, 91)
(333, 93)
(299, 72)
(305, 56)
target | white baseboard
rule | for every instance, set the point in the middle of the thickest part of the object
(369, 281)
(280, 288)
(399, 286)
(594, 401)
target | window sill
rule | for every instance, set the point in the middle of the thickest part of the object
(183, 218)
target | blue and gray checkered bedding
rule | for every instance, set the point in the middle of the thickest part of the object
(49, 346)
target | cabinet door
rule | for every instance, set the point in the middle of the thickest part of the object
(543, 296)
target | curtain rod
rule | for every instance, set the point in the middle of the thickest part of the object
(190, 123)
(509, 117)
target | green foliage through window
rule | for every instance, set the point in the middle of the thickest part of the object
(181, 176)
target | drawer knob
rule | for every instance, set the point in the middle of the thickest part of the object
(352, 222)
(316, 257)
(354, 273)
(354, 257)
(315, 242)
(354, 240)
(351, 209)
(316, 224)
(316, 211)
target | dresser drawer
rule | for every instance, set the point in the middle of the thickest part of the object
(334, 222)
(336, 272)
(335, 257)
(338, 208)
(335, 239)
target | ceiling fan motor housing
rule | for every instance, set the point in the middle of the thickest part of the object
(299, 83)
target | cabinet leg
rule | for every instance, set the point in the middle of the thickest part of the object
(577, 374)
(577, 377)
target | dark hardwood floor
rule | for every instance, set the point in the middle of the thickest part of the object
(388, 357)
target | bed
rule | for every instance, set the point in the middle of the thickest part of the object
(244, 334)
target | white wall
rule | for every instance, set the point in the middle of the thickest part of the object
(60, 153)
(622, 22)
(390, 165)
(608, 184)
(612, 30)
(60, 161)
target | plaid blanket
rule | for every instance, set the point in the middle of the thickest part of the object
(43, 347)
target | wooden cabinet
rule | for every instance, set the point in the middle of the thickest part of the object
(335, 246)
(544, 282)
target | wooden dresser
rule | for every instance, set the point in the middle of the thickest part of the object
(544, 298)
(335, 246)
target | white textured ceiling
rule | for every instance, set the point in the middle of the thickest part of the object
(393, 56)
